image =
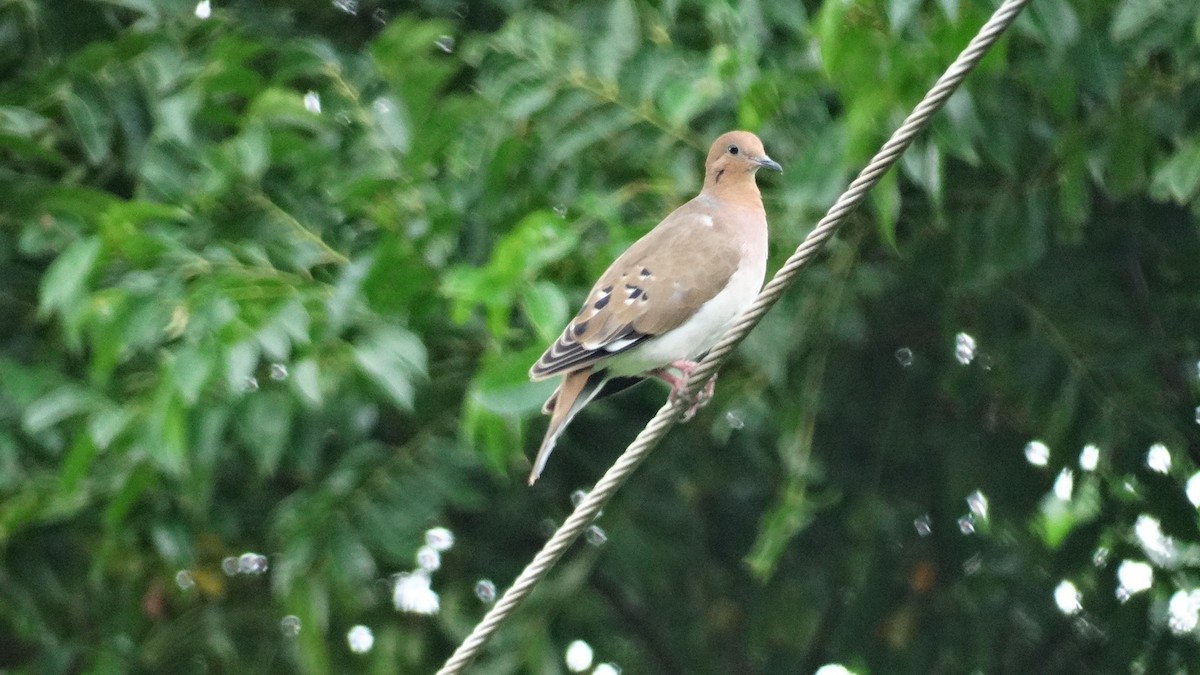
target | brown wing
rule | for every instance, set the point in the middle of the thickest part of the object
(652, 288)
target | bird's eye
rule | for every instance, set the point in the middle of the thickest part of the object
(733, 150)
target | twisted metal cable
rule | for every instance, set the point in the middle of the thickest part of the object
(670, 413)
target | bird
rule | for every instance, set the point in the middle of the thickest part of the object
(669, 297)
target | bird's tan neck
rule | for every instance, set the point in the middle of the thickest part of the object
(735, 189)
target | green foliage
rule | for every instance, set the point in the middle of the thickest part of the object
(272, 281)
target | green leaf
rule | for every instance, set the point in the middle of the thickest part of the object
(76, 463)
(265, 427)
(293, 318)
(165, 433)
(503, 386)
(176, 118)
(794, 511)
(281, 108)
(496, 437)
(54, 407)
(923, 165)
(681, 101)
(22, 121)
(20, 129)
(1057, 23)
(885, 198)
(546, 308)
(107, 423)
(137, 481)
(306, 380)
(1057, 518)
(392, 358)
(1126, 148)
(93, 125)
(274, 341)
(149, 7)
(12, 474)
(957, 129)
(240, 362)
(621, 41)
(347, 292)
(1132, 16)
(250, 152)
(65, 281)
(900, 13)
(191, 371)
(389, 118)
(135, 213)
(535, 242)
(1178, 178)
(1073, 188)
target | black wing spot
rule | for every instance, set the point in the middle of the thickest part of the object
(602, 302)
(633, 295)
(580, 328)
(645, 273)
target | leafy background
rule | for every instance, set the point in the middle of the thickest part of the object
(271, 280)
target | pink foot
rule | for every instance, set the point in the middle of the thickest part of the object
(679, 384)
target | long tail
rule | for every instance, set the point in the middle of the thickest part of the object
(577, 389)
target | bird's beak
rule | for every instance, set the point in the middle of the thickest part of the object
(769, 163)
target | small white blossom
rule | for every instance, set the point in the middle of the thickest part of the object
(1134, 576)
(1067, 597)
(439, 539)
(1037, 453)
(1158, 458)
(361, 639)
(412, 594)
(1183, 611)
(578, 656)
(1089, 457)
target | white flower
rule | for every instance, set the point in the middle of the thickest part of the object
(964, 348)
(579, 656)
(361, 639)
(413, 594)
(1064, 485)
(977, 502)
(1193, 489)
(1089, 457)
(1067, 597)
(312, 102)
(1134, 576)
(1158, 546)
(833, 669)
(439, 539)
(428, 559)
(1183, 611)
(1037, 453)
(1158, 458)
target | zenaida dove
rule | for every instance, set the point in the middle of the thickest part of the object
(670, 296)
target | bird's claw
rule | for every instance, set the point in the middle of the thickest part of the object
(679, 385)
(702, 399)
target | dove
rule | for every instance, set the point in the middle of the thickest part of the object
(669, 297)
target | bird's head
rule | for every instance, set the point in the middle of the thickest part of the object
(735, 157)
